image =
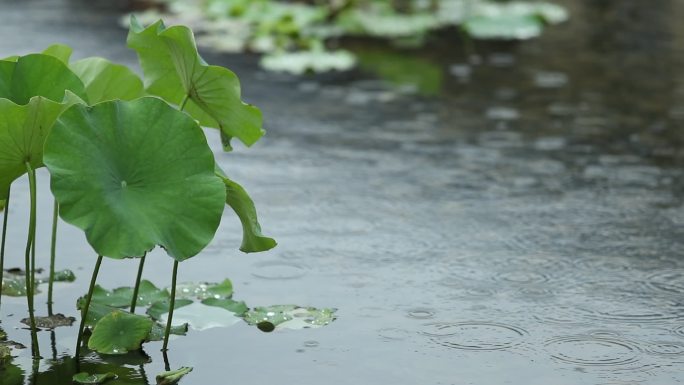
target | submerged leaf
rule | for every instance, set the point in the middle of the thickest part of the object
(253, 240)
(133, 175)
(174, 71)
(51, 322)
(119, 332)
(105, 80)
(289, 317)
(92, 379)
(172, 377)
(202, 317)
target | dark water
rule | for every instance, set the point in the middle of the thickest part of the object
(514, 218)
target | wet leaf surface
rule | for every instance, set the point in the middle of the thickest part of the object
(289, 317)
(119, 332)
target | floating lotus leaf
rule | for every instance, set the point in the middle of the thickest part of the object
(119, 332)
(174, 71)
(173, 376)
(22, 80)
(202, 317)
(23, 129)
(237, 198)
(133, 175)
(289, 317)
(158, 330)
(205, 290)
(122, 296)
(105, 80)
(85, 378)
(159, 309)
(237, 307)
(505, 27)
(14, 284)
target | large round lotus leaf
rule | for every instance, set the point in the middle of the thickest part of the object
(119, 332)
(133, 175)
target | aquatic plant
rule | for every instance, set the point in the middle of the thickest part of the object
(301, 36)
(129, 164)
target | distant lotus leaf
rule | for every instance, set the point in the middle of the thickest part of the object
(205, 290)
(174, 71)
(504, 27)
(133, 175)
(316, 61)
(237, 198)
(23, 129)
(289, 317)
(105, 80)
(85, 378)
(122, 296)
(24, 79)
(59, 51)
(119, 332)
(173, 376)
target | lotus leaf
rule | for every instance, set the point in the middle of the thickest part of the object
(119, 332)
(174, 71)
(105, 80)
(24, 79)
(173, 376)
(238, 199)
(133, 175)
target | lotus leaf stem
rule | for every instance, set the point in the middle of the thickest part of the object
(86, 306)
(134, 301)
(29, 260)
(2, 245)
(53, 252)
(171, 307)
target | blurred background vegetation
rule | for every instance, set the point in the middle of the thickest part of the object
(317, 35)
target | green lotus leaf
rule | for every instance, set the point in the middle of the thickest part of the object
(237, 307)
(23, 129)
(202, 317)
(203, 291)
(119, 332)
(11, 374)
(253, 240)
(86, 378)
(96, 311)
(22, 80)
(122, 296)
(173, 376)
(158, 331)
(161, 308)
(174, 71)
(14, 284)
(289, 317)
(105, 80)
(59, 51)
(133, 175)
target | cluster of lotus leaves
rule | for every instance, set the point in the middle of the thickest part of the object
(127, 167)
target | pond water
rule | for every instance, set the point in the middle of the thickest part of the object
(508, 215)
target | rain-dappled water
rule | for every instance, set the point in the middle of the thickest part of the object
(514, 218)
